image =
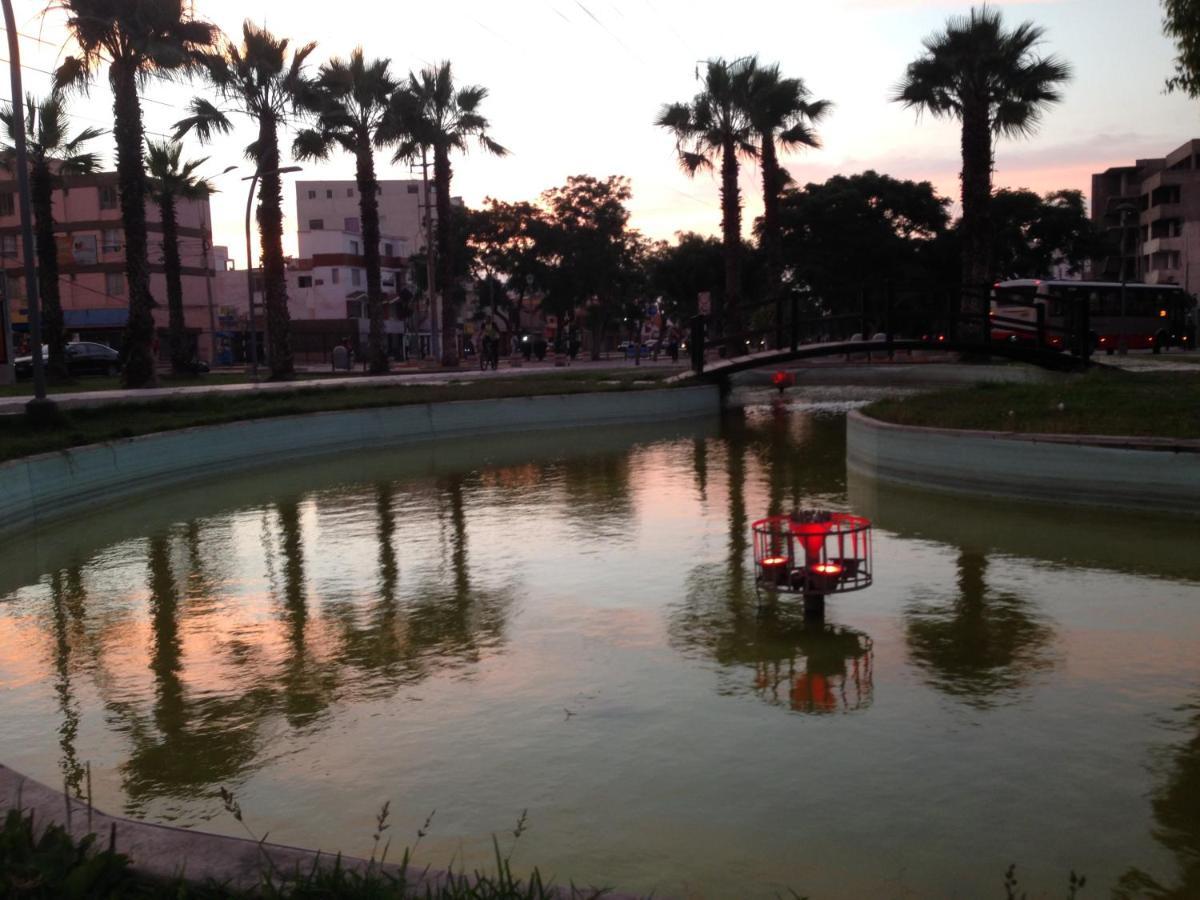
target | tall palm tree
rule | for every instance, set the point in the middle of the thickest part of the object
(432, 114)
(993, 82)
(350, 99)
(263, 84)
(716, 123)
(782, 117)
(139, 39)
(172, 180)
(53, 156)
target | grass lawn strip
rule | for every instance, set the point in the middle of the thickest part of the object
(1162, 404)
(78, 427)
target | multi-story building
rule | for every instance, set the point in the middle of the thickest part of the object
(91, 261)
(333, 206)
(1151, 212)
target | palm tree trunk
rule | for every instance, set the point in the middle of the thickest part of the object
(270, 229)
(976, 203)
(445, 257)
(368, 205)
(41, 184)
(731, 234)
(772, 187)
(176, 332)
(127, 127)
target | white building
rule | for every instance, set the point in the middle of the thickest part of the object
(333, 206)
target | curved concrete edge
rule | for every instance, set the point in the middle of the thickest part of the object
(1111, 472)
(166, 853)
(36, 490)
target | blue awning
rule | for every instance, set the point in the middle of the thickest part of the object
(95, 318)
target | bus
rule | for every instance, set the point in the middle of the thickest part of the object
(1151, 317)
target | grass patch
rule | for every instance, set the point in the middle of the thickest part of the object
(1160, 404)
(76, 427)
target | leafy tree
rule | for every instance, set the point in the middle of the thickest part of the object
(53, 157)
(266, 86)
(716, 124)
(504, 240)
(139, 39)
(680, 272)
(351, 100)
(854, 233)
(1033, 235)
(172, 180)
(434, 115)
(1181, 22)
(782, 116)
(593, 262)
(991, 80)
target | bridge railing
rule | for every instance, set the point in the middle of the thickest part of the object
(959, 318)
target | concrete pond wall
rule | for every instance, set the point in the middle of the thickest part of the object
(38, 489)
(1123, 472)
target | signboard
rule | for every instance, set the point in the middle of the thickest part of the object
(704, 303)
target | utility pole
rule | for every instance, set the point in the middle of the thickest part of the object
(435, 335)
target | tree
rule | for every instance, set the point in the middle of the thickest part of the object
(991, 80)
(1032, 236)
(53, 157)
(853, 234)
(139, 39)
(434, 116)
(1181, 22)
(680, 272)
(782, 116)
(593, 261)
(350, 99)
(504, 242)
(266, 86)
(172, 180)
(715, 124)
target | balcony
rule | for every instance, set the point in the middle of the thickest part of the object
(1164, 276)
(1163, 211)
(1162, 245)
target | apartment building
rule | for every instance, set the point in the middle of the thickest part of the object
(91, 261)
(1151, 211)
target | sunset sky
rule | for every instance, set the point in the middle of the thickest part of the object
(576, 85)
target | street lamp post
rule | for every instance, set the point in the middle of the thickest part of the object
(39, 403)
(206, 246)
(253, 179)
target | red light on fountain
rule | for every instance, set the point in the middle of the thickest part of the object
(783, 380)
(813, 553)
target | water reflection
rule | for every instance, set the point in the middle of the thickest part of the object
(1176, 805)
(979, 645)
(66, 598)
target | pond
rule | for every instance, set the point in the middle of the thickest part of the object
(566, 624)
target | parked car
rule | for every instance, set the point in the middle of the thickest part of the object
(83, 358)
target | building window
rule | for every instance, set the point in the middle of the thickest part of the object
(7, 205)
(111, 240)
(114, 284)
(312, 195)
(354, 250)
(351, 225)
(109, 198)
(335, 277)
(8, 246)
(353, 309)
(349, 192)
(329, 194)
(389, 249)
(304, 281)
(316, 224)
(412, 188)
(356, 277)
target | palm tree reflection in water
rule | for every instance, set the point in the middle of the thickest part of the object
(982, 647)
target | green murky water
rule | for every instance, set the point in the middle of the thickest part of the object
(565, 623)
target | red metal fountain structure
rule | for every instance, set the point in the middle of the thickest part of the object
(813, 553)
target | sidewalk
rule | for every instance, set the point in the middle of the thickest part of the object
(431, 376)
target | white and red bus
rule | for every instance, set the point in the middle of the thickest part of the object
(1150, 317)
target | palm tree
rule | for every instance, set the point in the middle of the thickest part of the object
(350, 99)
(432, 114)
(782, 117)
(139, 39)
(170, 181)
(991, 81)
(717, 124)
(263, 84)
(52, 158)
